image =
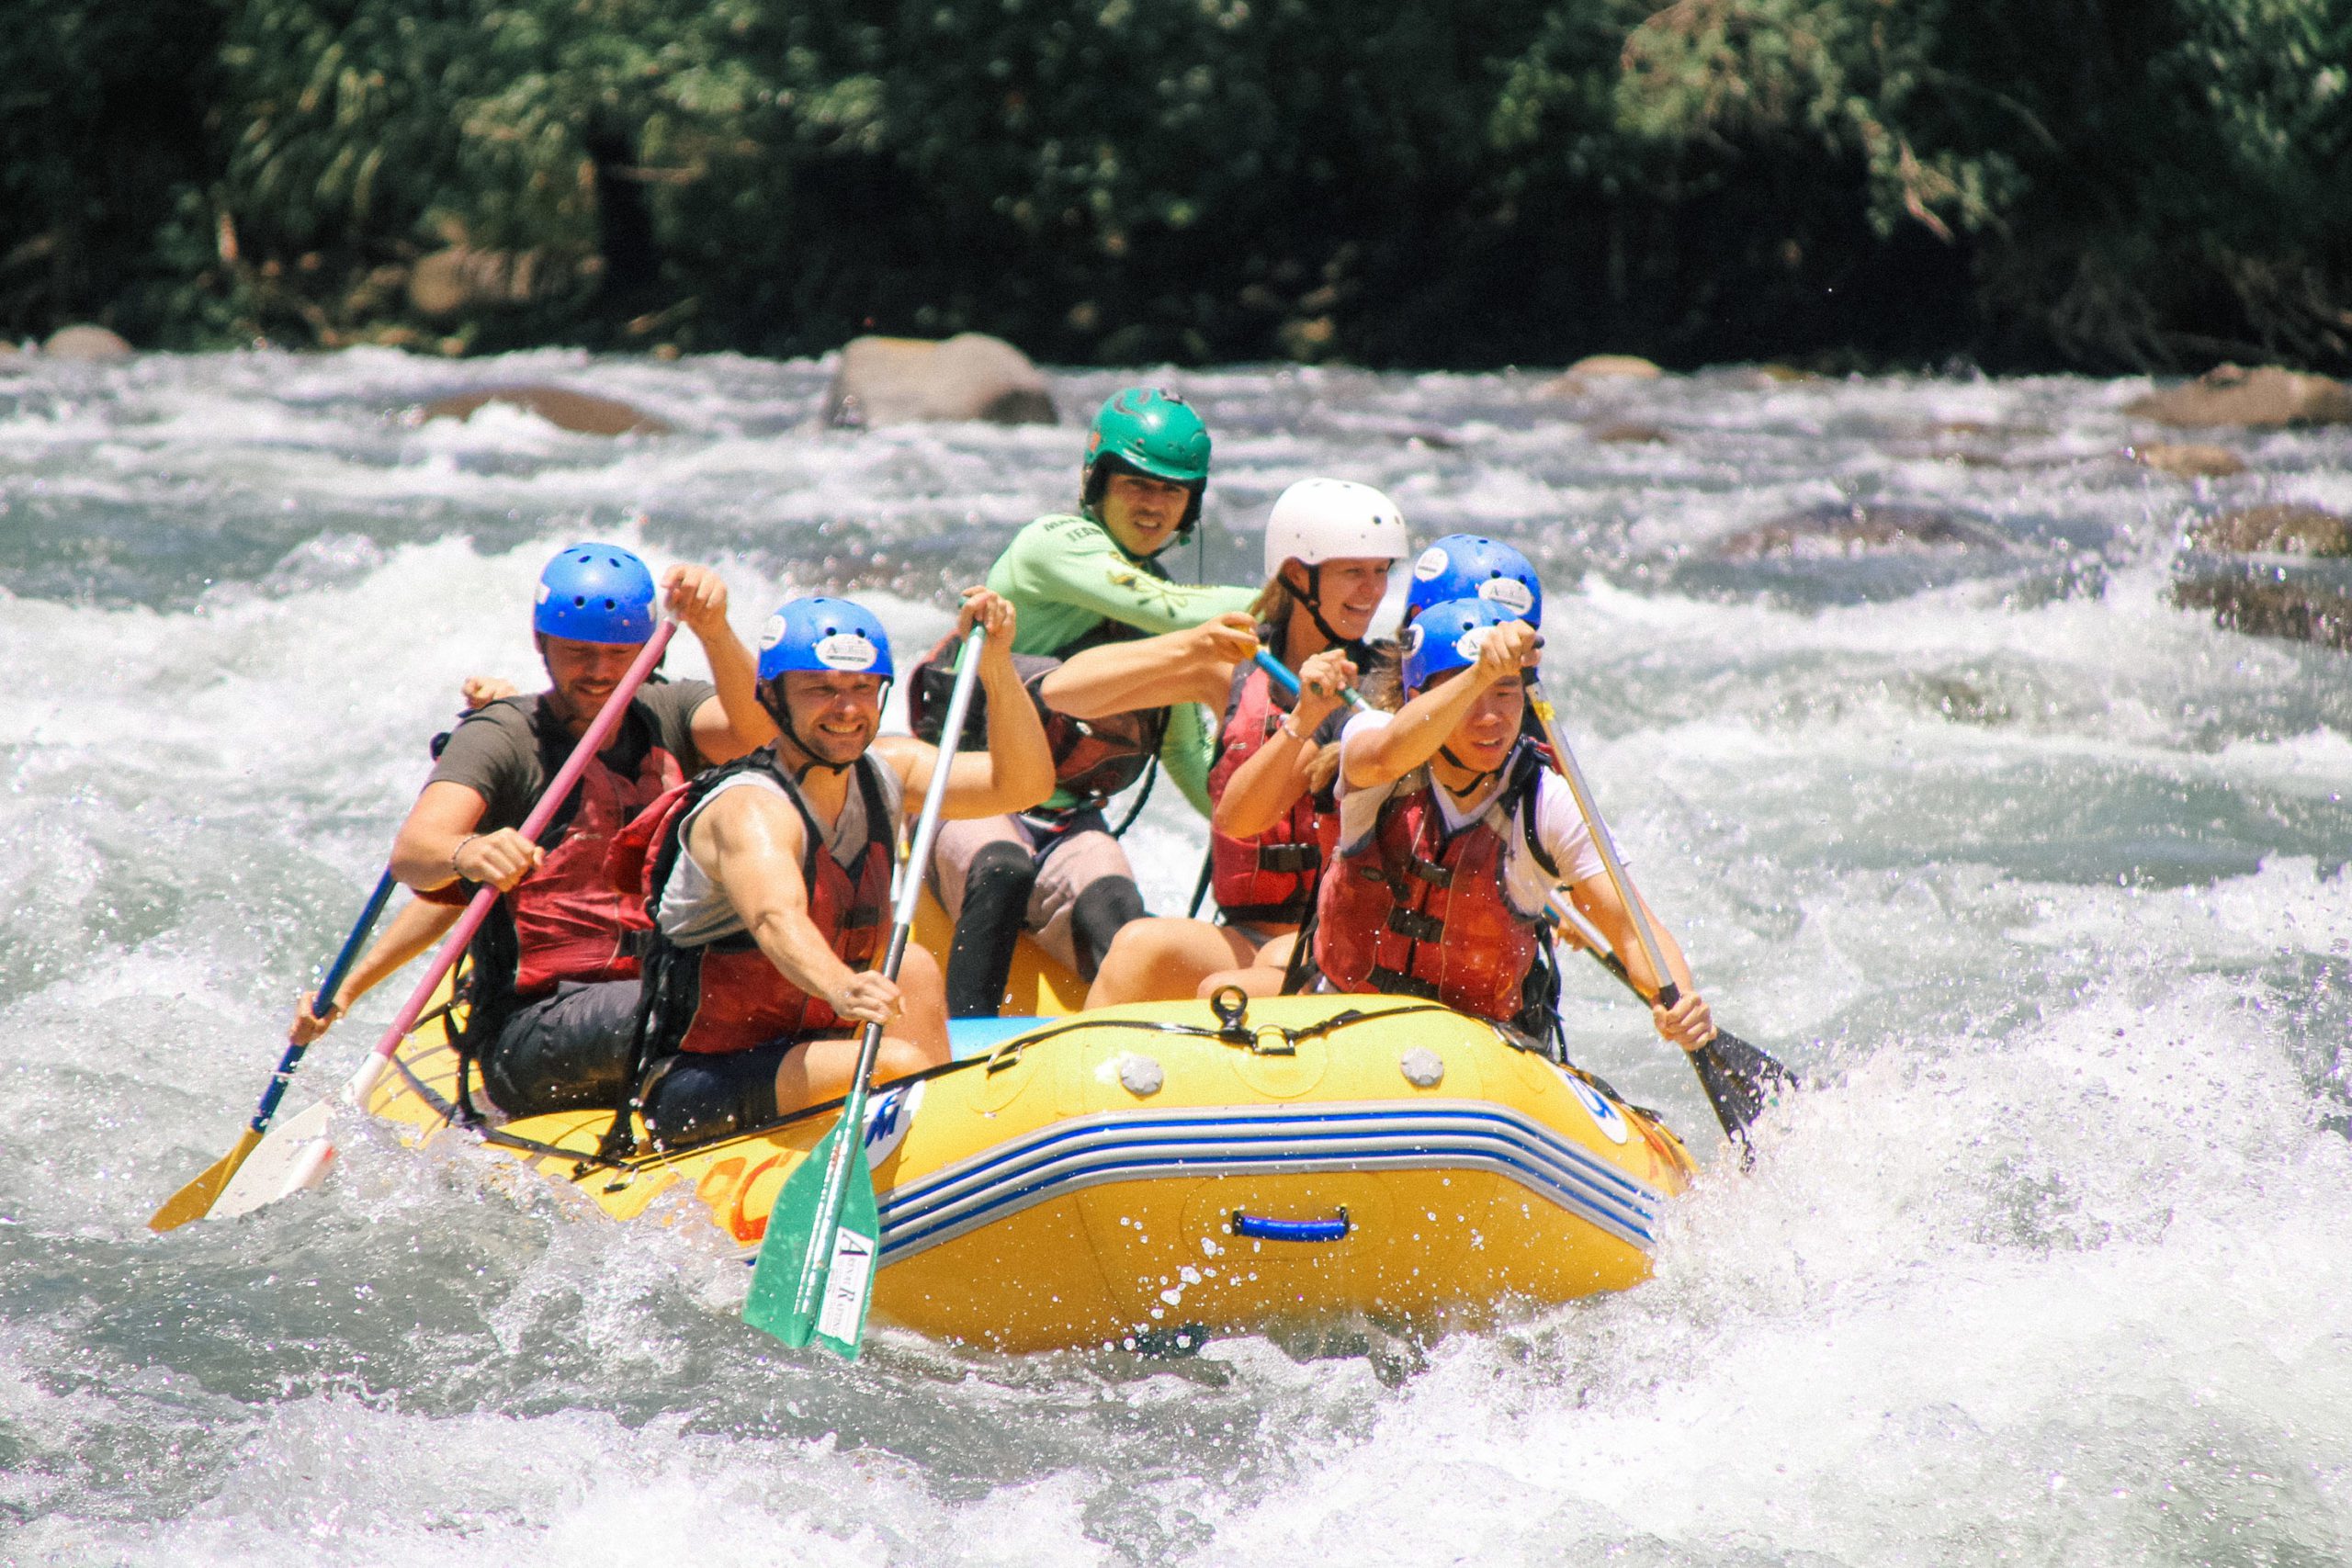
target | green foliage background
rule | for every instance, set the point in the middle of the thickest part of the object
(2108, 183)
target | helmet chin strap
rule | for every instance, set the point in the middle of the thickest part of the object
(1312, 603)
(1479, 780)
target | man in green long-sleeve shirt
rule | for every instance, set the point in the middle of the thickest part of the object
(1078, 581)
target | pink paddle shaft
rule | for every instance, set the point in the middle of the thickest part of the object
(599, 731)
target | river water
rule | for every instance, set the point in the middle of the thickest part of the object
(2037, 879)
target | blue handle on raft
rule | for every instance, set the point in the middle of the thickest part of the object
(1259, 1228)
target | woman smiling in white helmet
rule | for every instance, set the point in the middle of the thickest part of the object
(1330, 547)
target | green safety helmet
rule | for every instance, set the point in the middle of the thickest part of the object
(1149, 430)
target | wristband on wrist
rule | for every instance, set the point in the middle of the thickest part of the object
(454, 854)
(1295, 735)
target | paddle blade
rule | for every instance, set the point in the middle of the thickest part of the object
(1740, 1081)
(801, 1292)
(195, 1199)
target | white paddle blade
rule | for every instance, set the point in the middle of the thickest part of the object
(294, 1156)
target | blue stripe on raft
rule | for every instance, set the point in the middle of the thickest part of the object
(1096, 1150)
(970, 1037)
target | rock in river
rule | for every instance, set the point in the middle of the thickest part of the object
(87, 342)
(581, 412)
(901, 380)
(2290, 529)
(2230, 395)
(1861, 528)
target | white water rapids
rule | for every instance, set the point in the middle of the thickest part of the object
(2039, 880)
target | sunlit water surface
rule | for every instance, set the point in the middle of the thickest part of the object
(2039, 880)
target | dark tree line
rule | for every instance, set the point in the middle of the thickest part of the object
(2105, 184)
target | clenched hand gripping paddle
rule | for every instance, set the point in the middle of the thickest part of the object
(1740, 1080)
(815, 1275)
(195, 1199)
(293, 1155)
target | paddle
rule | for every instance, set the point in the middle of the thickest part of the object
(1740, 1079)
(300, 1165)
(815, 1274)
(195, 1199)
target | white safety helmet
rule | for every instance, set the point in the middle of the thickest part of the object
(1320, 520)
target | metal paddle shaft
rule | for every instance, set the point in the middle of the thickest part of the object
(1669, 993)
(837, 1258)
(195, 1199)
(1738, 1079)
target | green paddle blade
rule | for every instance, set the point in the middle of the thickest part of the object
(800, 1292)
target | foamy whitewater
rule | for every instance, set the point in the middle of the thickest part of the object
(2039, 880)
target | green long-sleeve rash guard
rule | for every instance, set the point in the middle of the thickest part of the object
(1066, 576)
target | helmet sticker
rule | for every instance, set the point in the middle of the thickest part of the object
(1469, 642)
(1510, 592)
(542, 594)
(772, 633)
(846, 650)
(1432, 563)
(1413, 636)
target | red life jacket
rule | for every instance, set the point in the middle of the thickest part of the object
(564, 921)
(1412, 912)
(1271, 879)
(725, 995)
(1093, 758)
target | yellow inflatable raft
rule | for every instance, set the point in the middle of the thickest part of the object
(1156, 1175)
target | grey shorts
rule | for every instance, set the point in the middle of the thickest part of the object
(1076, 859)
(565, 1052)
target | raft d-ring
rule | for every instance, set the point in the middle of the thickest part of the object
(1231, 1005)
(1003, 1056)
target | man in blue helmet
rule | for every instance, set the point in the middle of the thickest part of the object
(768, 881)
(552, 982)
(1081, 580)
(1454, 835)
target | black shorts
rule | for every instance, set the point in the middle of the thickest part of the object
(566, 1052)
(693, 1097)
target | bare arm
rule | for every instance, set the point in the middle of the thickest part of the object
(734, 722)
(1016, 772)
(437, 844)
(1263, 789)
(750, 841)
(1426, 722)
(1687, 1023)
(1194, 665)
(417, 927)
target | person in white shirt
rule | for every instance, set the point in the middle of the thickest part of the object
(1454, 835)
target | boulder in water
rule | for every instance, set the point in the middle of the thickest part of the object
(2188, 461)
(2288, 529)
(899, 380)
(2262, 607)
(1861, 528)
(83, 342)
(1593, 369)
(581, 412)
(2267, 395)
(1629, 433)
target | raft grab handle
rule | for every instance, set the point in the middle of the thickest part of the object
(1257, 1227)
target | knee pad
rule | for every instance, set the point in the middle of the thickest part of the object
(1097, 915)
(996, 901)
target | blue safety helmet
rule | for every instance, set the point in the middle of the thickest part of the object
(1465, 566)
(1445, 638)
(596, 593)
(819, 634)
